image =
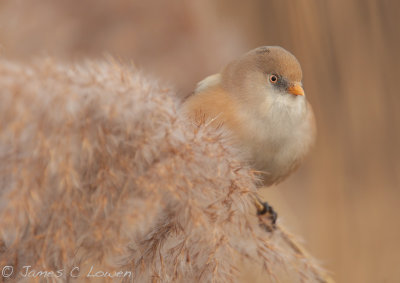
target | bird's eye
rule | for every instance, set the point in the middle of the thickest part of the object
(273, 78)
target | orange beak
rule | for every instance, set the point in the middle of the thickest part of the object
(296, 90)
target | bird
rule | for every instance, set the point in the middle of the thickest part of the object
(259, 98)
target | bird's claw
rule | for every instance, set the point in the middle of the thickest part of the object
(267, 215)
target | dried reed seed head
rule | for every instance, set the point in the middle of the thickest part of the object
(97, 167)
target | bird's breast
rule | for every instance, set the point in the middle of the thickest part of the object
(279, 140)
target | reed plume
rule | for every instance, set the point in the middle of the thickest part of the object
(99, 171)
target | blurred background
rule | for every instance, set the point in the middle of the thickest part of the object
(345, 199)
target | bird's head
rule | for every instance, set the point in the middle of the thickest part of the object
(264, 76)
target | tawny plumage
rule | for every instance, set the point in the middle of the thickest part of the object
(259, 98)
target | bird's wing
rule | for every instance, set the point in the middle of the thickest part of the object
(208, 82)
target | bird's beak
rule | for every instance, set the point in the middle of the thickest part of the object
(296, 89)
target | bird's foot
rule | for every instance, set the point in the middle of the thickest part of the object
(266, 215)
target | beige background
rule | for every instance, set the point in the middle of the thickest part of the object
(344, 200)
